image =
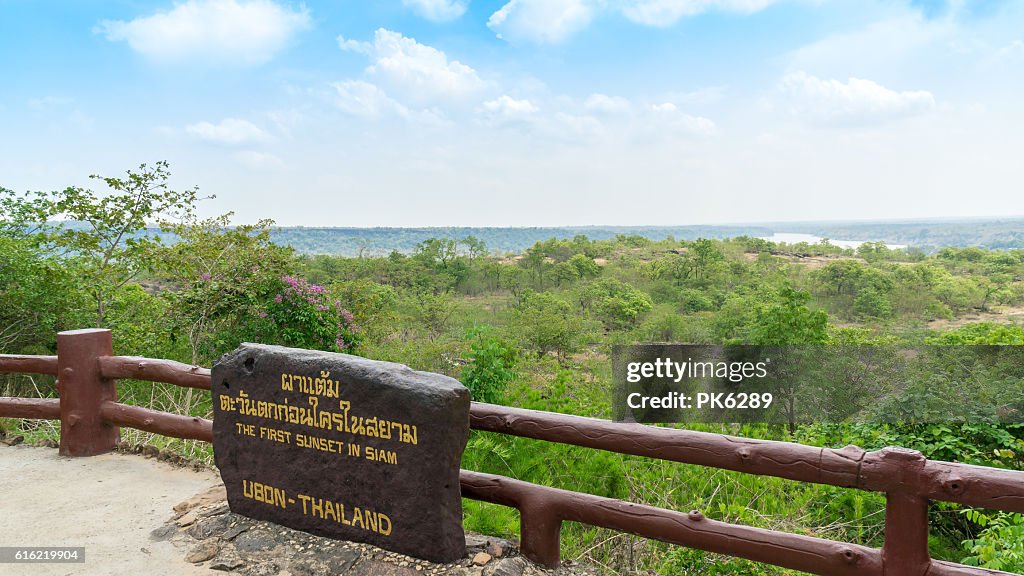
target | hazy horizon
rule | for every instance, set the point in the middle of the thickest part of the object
(765, 224)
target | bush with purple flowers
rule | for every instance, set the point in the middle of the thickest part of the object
(304, 315)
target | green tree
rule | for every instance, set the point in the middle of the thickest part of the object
(222, 274)
(841, 276)
(538, 263)
(38, 296)
(704, 255)
(105, 234)
(476, 247)
(786, 319)
(434, 311)
(437, 251)
(514, 280)
(565, 273)
(584, 266)
(547, 324)
(872, 303)
(617, 304)
(958, 292)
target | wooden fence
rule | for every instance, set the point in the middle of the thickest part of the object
(90, 416)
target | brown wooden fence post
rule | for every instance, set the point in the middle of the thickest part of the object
(905, 550)
(540, 532)
(82, 391)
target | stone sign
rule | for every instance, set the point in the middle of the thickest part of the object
(341, 446)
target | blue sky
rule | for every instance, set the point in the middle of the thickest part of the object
(526, 112)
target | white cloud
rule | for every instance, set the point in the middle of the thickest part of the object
(228, 131)
(603, 119)
(364, 99)
(349, 45)
(856, 101)
(507, 110)
(553, 21)
(236, 32)
(607, 104)
(541, 21)
(437, 10)
(665, 13)
(886, 48)
(419, 72)
(600, 119)
(666, 116)
(368, 101)
(508, 106)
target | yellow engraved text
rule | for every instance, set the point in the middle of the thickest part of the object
(354, 516)
(265, 493)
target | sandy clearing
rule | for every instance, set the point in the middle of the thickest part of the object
(108, 504)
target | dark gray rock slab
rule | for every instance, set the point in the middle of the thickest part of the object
(343, 447)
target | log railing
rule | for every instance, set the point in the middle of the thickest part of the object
(90, 415)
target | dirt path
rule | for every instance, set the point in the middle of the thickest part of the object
(124, 497)
(121, 509)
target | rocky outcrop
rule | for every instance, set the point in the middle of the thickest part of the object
(210, 535)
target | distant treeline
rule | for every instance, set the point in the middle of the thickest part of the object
(382, 241)
(927, 236)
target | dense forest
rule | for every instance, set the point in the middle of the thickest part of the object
(532, 329)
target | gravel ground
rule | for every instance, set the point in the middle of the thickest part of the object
(109, 504)
(145, 515)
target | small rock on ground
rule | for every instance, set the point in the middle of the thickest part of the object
(203, 551)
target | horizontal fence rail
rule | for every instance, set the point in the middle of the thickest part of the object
(90, 416)
(37, 408)
(889, 469)
(543, 509)
(167, 371)
(187, 427)
(15, 363)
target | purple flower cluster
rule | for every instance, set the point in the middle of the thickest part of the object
(298, 292)
(311, 293)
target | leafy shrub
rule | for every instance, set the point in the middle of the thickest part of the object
(788, 320)
(584, 266)
(694, 300)
(547, 323)
(982, 333)
(1000, 545)
(303, 315)
(872, 303)
(492, 366)
(616, 303)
